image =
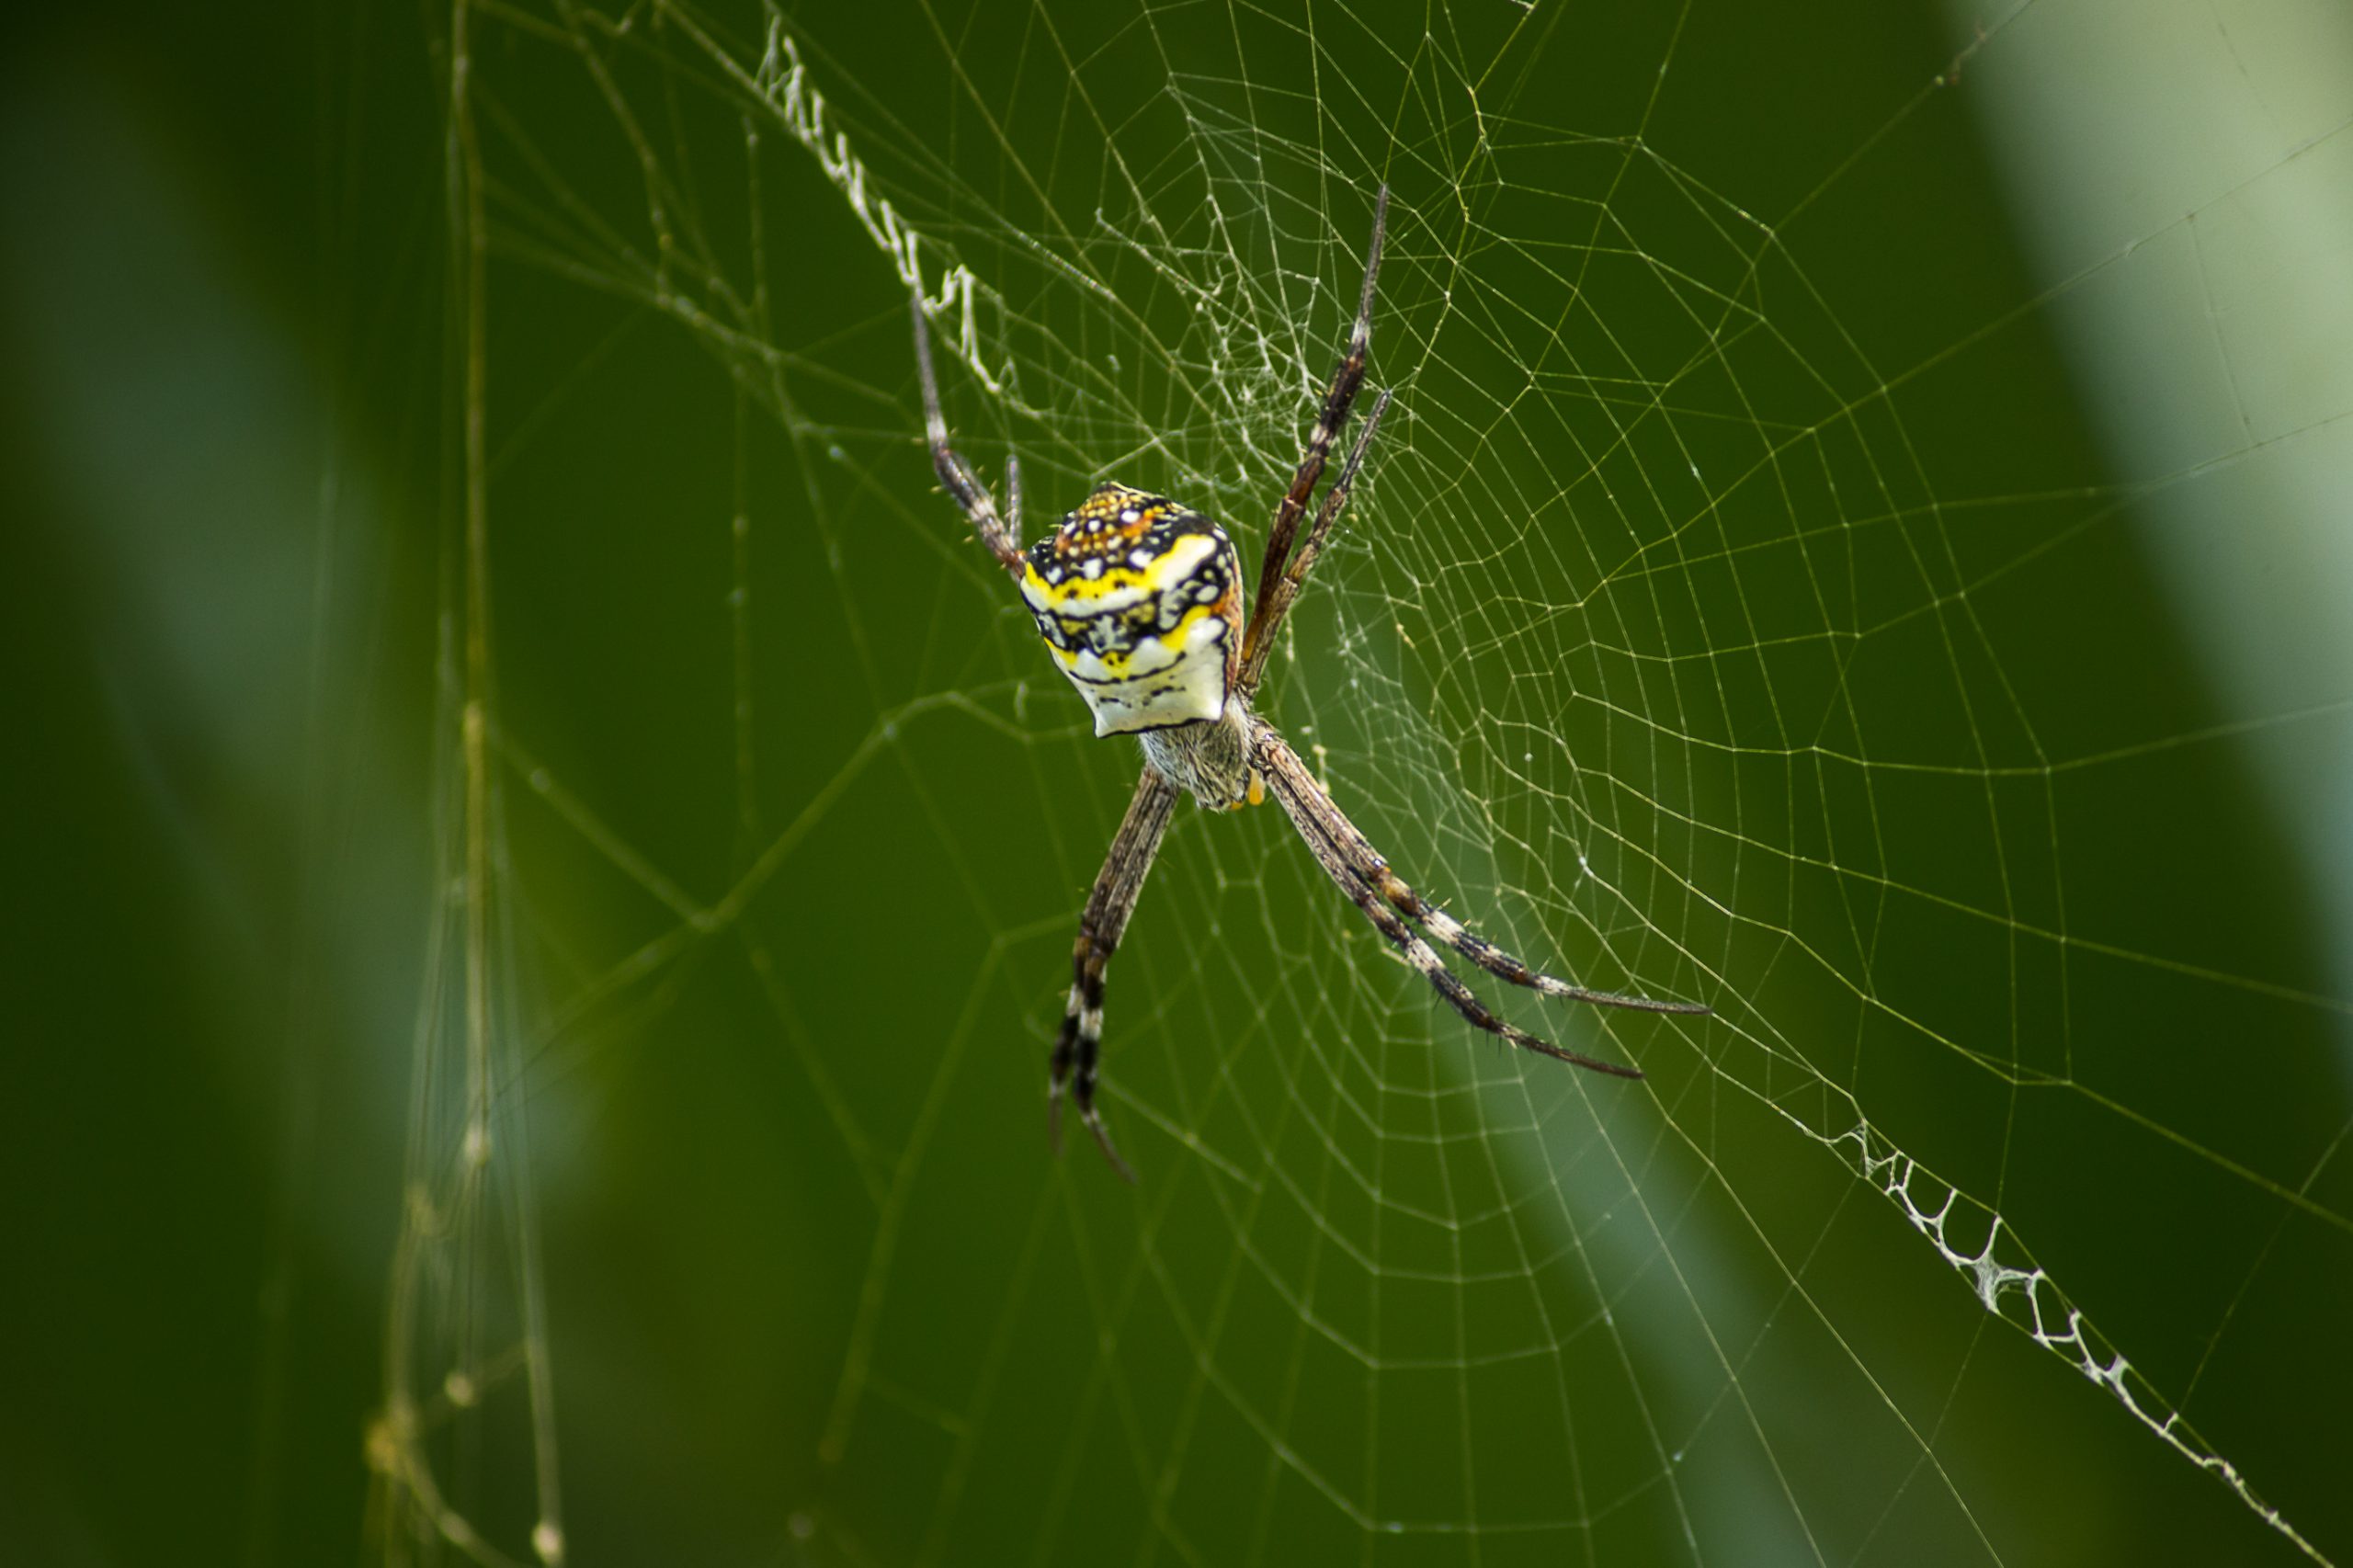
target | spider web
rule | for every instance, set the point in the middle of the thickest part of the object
(1849, 547)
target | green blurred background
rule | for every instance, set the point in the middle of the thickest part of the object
(1862, 541)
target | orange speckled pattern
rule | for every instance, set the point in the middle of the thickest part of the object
(1140, 599)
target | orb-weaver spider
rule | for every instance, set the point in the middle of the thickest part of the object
(1139, 598)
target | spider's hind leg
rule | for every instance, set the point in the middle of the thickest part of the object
(1267, 607)
(956, 475)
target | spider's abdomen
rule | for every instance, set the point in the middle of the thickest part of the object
(1140, 601)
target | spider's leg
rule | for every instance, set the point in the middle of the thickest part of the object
(1117, 887)
(1496, 961)
(962, 484)
(1312, 813)
(1349, 859)
(1371, 868)
(1345, 380)
(1277, 600)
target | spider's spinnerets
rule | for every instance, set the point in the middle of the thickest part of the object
(1140, 600)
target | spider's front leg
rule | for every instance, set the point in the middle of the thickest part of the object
(1078, 1046)
(1117, 887)
(1385, 900)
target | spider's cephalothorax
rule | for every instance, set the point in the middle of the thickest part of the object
(1140, 601)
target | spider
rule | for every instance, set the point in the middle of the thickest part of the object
(1139, 598)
